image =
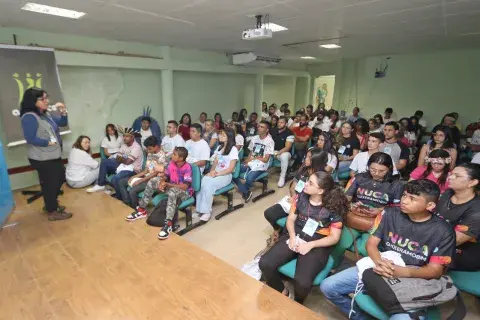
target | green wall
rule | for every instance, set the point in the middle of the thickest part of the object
(279, 90)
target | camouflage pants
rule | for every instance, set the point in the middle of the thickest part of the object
(150, 189)
(174, 194)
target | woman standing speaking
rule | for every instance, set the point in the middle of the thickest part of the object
(44, 147)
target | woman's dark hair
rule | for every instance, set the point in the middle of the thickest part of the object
(341, 138)
(217, 115)
(273, 117)
(78, 143)
(318, 162)
(409, 127)
(385, 160)
(378, 115)
(333, 198)
(242, 115)
(238, 130)
(30, 97)
(111, 126)
(189, 119)
(450, 115)
(204, 113)
(375, 122)
(230, 141)
(448, 143)
(333, 112)
(473, 172)
(363, 125)
(328, 145)
(438, 153)
(416, 126)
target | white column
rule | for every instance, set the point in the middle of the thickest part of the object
(258, 95)
(167, 95)
(294, 92)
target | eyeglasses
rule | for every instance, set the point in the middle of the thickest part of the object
(377, 171)
(43, 98)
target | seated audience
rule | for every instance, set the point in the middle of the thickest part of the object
(172, 139)
(287, 115)
(218, 122)
(401, 135)
(296, 120)
(145, 131)
(302, 135)
(355, 115)
(184, 127)
(371, 191)
(261, 149)
(243, 116)
(421, 119)
(210, 135)
(441, 139)
(177, 184)
(325, 143)
(335, 123)
(457, 123)
(202, 119)
(251, 127)
(460, 206)
(309, 112)
(474, 142)
(449, 121)
(220, 176)
(112, 141)
(476, 158)
(127, 162)
(281, 112)
(314, 227)
(137, 183)
(389, 115)
(472, 127)
(374, 126)
(239, 138)
(409, 132)
(274, 121)
(397, 150)
(392, 231)
(379, 119)
(264, 111)
(82, 169)
(272, 111)
(361, 130)
(437, 169)
(348, 147)
(233, 120)
(417, 129)
(360, 162)
(283, 138)
(321, 122)
(198, 149)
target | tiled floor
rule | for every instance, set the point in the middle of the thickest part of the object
(236, 239)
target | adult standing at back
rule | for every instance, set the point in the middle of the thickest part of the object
(397, 150)
(44, 147)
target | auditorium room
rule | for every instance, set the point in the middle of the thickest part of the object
(221, 159)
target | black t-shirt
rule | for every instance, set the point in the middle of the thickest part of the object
(280, 138)
(304, 210)
(464, 217)
(368, 194)
(349, 145)
(419, 243)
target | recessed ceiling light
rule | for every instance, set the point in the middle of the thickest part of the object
(330, 46)
(308, 58)
(274, 27)
(40, 8)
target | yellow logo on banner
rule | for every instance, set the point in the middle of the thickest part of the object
(29, 81)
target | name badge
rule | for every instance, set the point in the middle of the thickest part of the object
(387, 150)
(341, 150)
(300, 186)
(310, 227)
(53, 139)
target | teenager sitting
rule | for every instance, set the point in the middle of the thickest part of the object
(441, 139)
(436, 170)
(127, 162)
(145, 131)
(360, 162)
(325, 143)
(361, 131)
(348, 147)
(226, 157)
(198, 149)
(460, 206)
(184, 127)
(380, 121)
(172, 139)
(302, 134)
(250, 130)
(210, 135)
(261, 149)
(239, 138)
(177, 185)
(283, 138)
(112, 141)
(374, 126)
(424, 242)
(155, 157)
(82, 169)
(371, 191)
(336, 124)
(393, 147)
(314, 226)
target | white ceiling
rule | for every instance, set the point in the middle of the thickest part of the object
(361, 27)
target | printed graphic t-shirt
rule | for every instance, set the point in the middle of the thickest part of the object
(419, 243)
(262, 147)
(223, 162)
(180, 175)
(464, 217)
(348, 146)
(155, 159)
(397, 150)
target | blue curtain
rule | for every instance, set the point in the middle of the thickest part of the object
(6, 196)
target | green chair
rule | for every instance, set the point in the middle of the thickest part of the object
(226, 191)
(186, 205)
(334, 260)
(360, 243)
(468, 281)
(263, 179)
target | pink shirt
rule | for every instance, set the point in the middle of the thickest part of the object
(135, 153)
(418, 173)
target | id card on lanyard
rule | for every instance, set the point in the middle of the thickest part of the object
(53, 136)
(311, 225)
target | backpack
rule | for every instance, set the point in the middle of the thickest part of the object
(401, 295)
(157, 217)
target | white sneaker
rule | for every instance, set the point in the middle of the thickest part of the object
(196, 215)
(205, 217)
(95, 188)
(281, 182)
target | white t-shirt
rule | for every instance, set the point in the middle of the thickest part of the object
(476, 140)
(197, 151)
(262, 147)
(113, 145)
(476, 158)
(290, 121)
(324, 125)
(360, 163)
(332, 161)
(169, 143)
(145, 134)
(224, 160)
(80, 163)
(239, 140)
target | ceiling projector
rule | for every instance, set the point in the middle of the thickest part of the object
(257, 34)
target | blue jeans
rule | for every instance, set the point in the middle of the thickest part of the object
(243, 188)
(107, 166)
(116, 182)
(336, 288)
(209, 186)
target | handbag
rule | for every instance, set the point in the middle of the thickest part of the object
(361, 217)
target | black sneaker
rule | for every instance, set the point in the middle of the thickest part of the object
(59, 209)
(57, 215)
(248, 196)
(166, 230)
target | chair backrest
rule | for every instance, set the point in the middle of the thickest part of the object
(196, 177)
(102, 153)
(345, 242)
(236, 171)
